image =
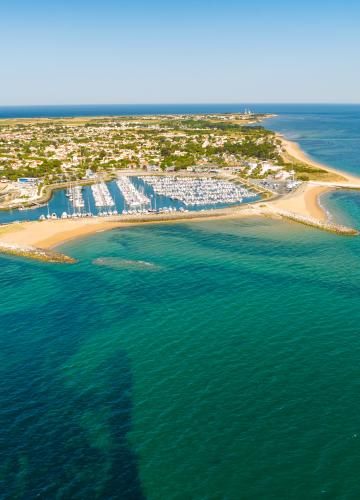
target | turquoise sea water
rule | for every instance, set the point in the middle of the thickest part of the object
(209, 360)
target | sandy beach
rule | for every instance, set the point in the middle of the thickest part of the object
(304, 201)
(50, 233)
(294, 150)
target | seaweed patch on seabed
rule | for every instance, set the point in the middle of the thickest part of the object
(117, 263)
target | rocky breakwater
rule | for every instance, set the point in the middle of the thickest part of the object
(313, 222)
(31, 252)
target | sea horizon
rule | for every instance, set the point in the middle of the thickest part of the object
(136, 109)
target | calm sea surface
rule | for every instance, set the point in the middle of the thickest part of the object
(211, 360)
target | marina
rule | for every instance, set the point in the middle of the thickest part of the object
(102, 195)
(130, 195)
(133, 197)
(75, 197)
(198, 192)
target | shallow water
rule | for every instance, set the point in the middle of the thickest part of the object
(117, 263)
(230, 373)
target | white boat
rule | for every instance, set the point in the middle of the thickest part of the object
(199, 192)
(134, 197)
(102, 196)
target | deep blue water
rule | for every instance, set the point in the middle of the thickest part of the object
(330, 134)
(202, 360)
(148, 109)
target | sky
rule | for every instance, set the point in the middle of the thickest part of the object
(127, 52)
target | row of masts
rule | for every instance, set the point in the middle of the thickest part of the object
(198, 192)
(102, 195)
(133, 197)
(186, 190)
(74, 193)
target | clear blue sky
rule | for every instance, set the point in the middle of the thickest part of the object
(107, 51)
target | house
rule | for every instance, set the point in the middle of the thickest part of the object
(28, 180)
(283, 175)
(89, 174)
(153, 168)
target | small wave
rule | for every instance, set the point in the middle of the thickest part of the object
(117, 263)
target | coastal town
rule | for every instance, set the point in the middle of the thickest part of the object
(37, 156)
(109, 172)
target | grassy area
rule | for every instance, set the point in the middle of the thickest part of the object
(307, 171)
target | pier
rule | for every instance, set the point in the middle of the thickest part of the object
(76, 198)
(133, 197)
(102, 196)
(307, 220)
(198, 191)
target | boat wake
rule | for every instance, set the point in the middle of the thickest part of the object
(117, 263)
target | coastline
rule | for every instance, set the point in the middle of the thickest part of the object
(39, 239)
(49, 234)
(294, 150)
(304, 201)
